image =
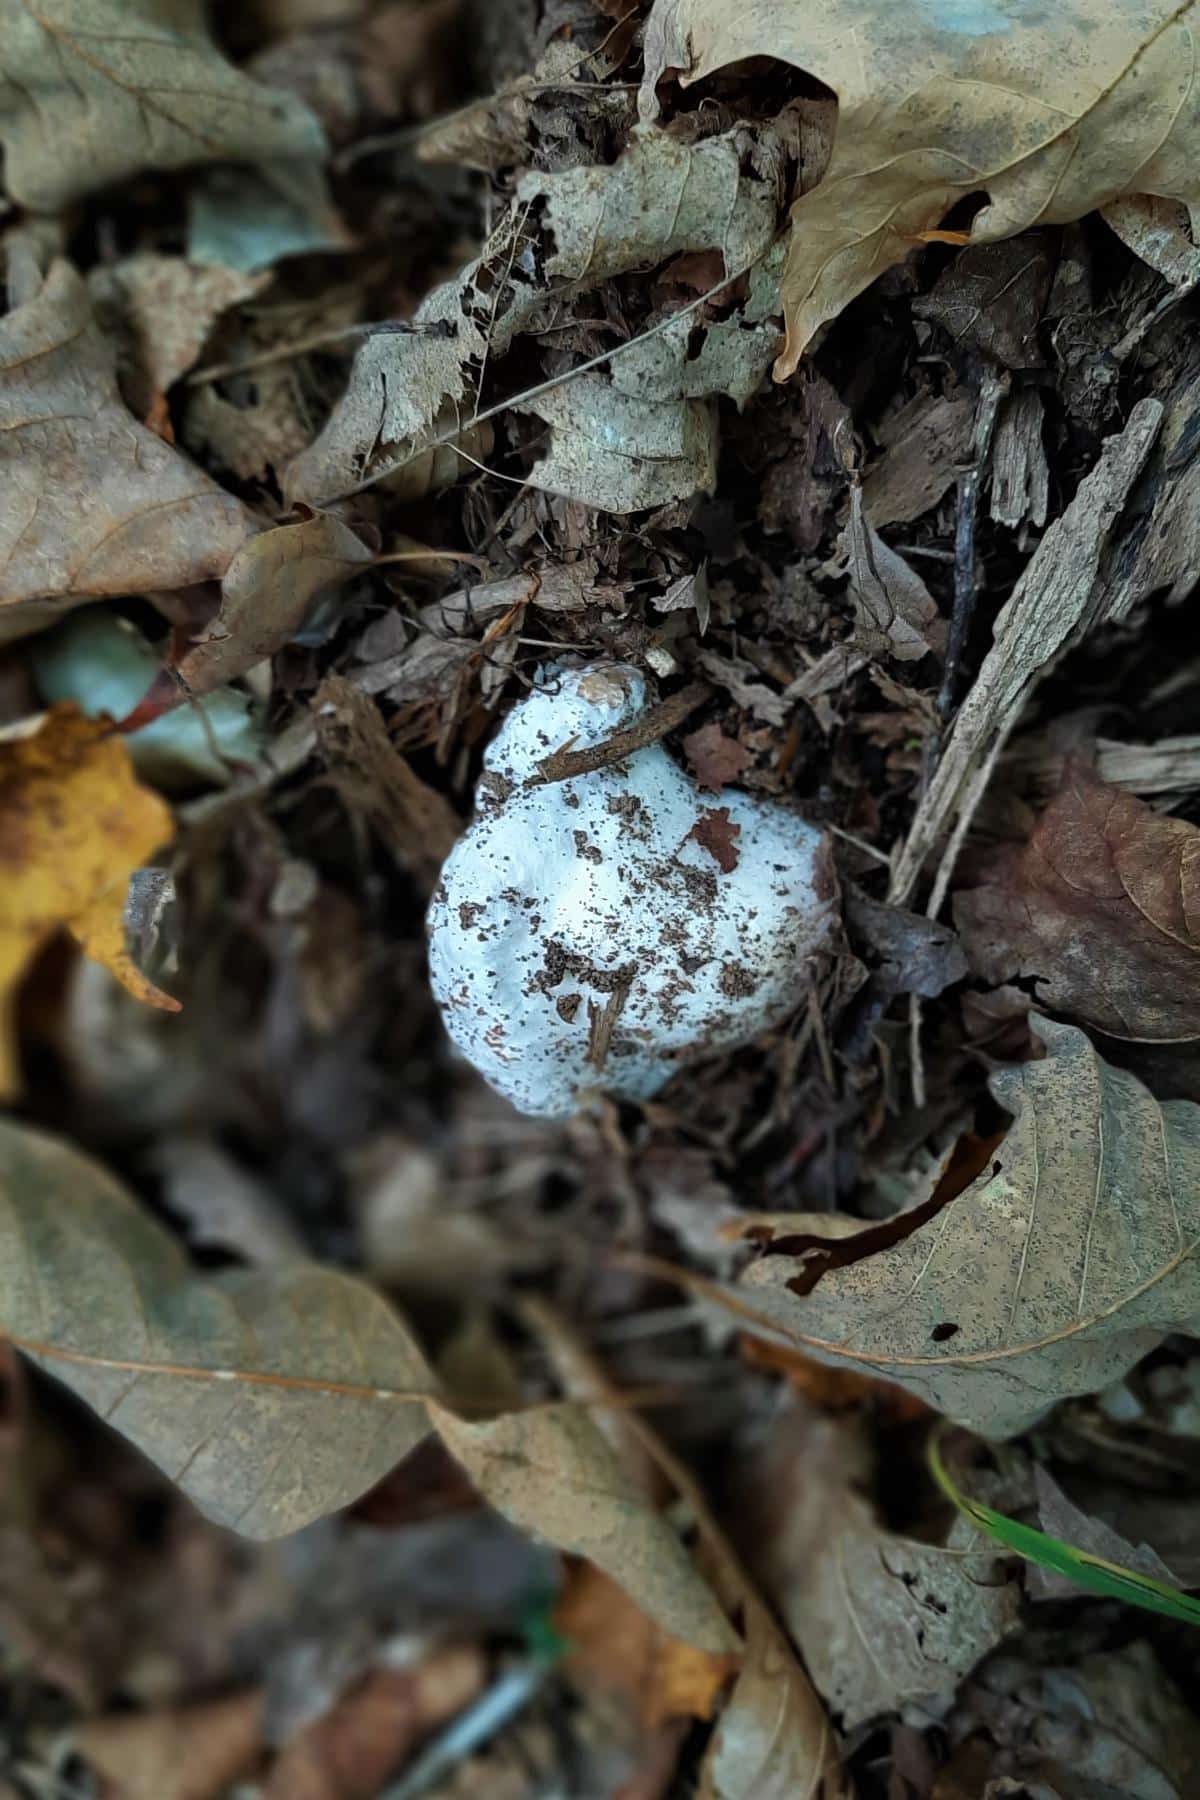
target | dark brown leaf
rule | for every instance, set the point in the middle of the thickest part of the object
(716, 832)
(1100, 909)
(716, 759)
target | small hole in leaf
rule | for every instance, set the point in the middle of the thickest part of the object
(940, 1333)
(996, 1168)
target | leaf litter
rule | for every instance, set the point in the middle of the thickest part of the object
(365, 368)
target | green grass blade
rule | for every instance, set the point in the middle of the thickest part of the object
(1095, 1573)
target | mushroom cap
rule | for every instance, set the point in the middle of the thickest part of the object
(605, 930)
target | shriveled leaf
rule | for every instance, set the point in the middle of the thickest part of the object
(1070, 1258)
(166, 306)
(915, 955)
(895, 614)
(74, 824)
(774, 1740)
(716, 760)
(177, 1752)
(1049, 111)
(553, 1472)
(1100, 908)
(267, 594)
(91, 503)
(576, 227)
(270, 1397)
(882, 1621)
(91, 91)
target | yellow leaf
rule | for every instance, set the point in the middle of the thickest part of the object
(74, 824)
(1048, 111)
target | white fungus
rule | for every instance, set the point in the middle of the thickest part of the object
(604, 930)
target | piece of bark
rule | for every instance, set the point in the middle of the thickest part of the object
(1020, 472)
(1060, 599)
(925, 444)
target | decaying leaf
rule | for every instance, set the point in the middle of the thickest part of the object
(270, 1397)
(1054, 1272)
(74, 824)
(566, 232)
(895, 614)
(553, 1472)
(1050, 112)
(1097, 1726)
(267, 594)
(91, 91)
(1100, 909)
(91, 503)
(773, 1741)
(882, 1621)
(166, 306)
(716, 760)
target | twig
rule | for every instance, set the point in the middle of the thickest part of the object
(562, 765)
(316, 340)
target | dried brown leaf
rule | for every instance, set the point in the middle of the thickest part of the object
(270, 1397)
(895, 614)
(1050, 113)
(882, 1621)
(553, 1472)
(577, 227)
(91, 91)
(267, 594)
(716, 760)
(1100, 909)
(353, 1750)
(168, 307)
(774, 1740)
(91, 503)
(1065, 1262)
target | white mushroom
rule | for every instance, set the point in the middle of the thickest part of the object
(605, 930)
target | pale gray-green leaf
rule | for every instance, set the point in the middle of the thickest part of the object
(1062, 1265)
(92, 91)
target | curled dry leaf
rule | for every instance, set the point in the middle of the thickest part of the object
(895, 614)
(270, 1397)
(774, 1740)
(167, 307)
(91, 503)
(882, 1621)
(1070, 1258)
(576, 227)
(553, 1472)
(267, 594)
(91, 91)
(1101, 909)
(74, 824)
(1050, 112)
